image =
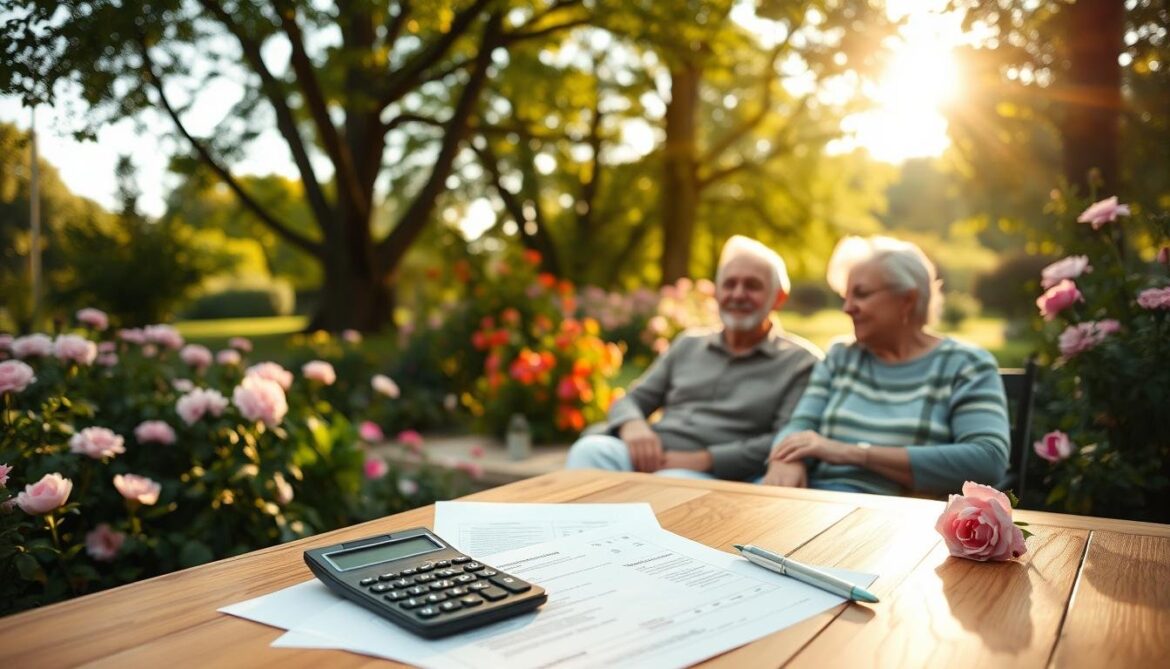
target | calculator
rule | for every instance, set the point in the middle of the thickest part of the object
(418, 581)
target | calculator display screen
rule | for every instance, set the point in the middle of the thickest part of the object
(391, 550)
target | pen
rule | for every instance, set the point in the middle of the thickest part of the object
(805, 574)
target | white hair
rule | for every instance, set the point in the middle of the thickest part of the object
(740, 246)
(905, 265)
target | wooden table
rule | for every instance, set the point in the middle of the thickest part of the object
(1090, 592)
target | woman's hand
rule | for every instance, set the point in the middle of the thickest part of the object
(787, 474)
(808, 444)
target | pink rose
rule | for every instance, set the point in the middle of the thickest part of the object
(5, 470)
(154, 432)
(260, 399)
(132, 335)
(75, 349)
(1067, 268)
(97, 443)
(241, 344)
(107, 347)
(94, 318)
(375, 468)
(102, 543)
(1105, 211)
(1054, 446)
(385, 385)
(1077, 339)
(15, 376)
(163, 335)
(198, 403)
(196, 355)
(1058, 298)
(477, 451)
(473, 469)
(411, 439)
(370, 431)
(351, 336)
(977, 525)
(408, 487)
(229, 357)
(271, 372)
(137, 488)
(1154, 298)
(32, 346)
(107, 359)
(319, 371)
(183, 385)
(46, 495)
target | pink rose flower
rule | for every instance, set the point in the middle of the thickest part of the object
(473, 469)
(1054, 446)
(1105, 211)
(164, 335)
(351, 337)
(370, 431)
(137, 488)
(319, 371)
(1058, 298)
(94, 318)
(284, 490)
(107, 347)
(271, 372)
(196, 355)
(32, 346)
(375, 468)
(1066, 268)
(198, 403)
(107, 359)
(15, 376)
(241, 344)
(385, 385)
(1077, 339)
(5, 470)
(1154, 298)
(977, 525)
(97, 443)
(75, 349)
(229, 357)
(183, 385)
(260, 399)
(411, 439)
(154, 432)
(102, 543)
(132, 335)
(46, 495)
(477, 451)
(408, 487)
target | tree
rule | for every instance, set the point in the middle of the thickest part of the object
(351, 92)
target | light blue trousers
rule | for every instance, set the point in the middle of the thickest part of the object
(601, 451)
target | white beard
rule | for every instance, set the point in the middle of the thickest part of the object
(748, 323)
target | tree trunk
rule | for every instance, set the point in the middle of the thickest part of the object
(680, 193)
(1092, 94)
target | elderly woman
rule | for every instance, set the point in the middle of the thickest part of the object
(900, 408)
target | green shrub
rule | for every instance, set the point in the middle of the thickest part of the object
(277, 299)
(1010, 288)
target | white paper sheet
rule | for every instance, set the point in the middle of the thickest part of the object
(481, 529)
(625, 596)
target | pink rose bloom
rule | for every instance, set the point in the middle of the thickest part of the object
(385, 385)
(319, 371)
(5, 470)
(1154, 298)
(284, 491)
(408, 487)
(200, 402)
(102, 543)
(1105, 211)
(477, 451)
(1081, 337)
(260, 399)
(1054, 446)
(242, 344)
(196, 355)
(411, 439)
(351, 336)
(473, 469)
(132, 335)
(15, 376)
(375, 468)
(1066, 268)
(107, 359)
(32, 346)
(137, 488)
(97, 443)
(164, 335)
(107, 347)
(977, 525)
(1058, 298)
(75, 349)
(46, 495)
(154, 432)
(94, 318)
(229, 357)
(183, 385)
(271, 372)
(369, 431)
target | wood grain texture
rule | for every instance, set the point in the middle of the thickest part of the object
(1120, 613)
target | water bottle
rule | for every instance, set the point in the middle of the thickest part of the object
(519, 440)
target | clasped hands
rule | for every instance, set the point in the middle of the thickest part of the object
(647, 455)
(786, 463)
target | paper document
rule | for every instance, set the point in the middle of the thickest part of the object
(481, 529)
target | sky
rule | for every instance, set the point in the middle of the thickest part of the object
(906, 122)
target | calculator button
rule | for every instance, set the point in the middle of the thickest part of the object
(443, 563)
(409, 572)
(395, 595)
(488, 573)
(511, 583)
(457, 591)
(402, 582)
(460, 560)
(450, 606)
(367, 581)
(412, 603)
(492, 594)
(442, 585)
(428, 612)
(380, 587)
(435, 597)
(418, 590)
(424, 578)
(388, 576)
(471, 600)
(464, 578)
(479, 585)
(426, 566)
(448, 573)
(472, 566)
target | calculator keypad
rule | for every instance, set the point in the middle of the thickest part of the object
(431, 589)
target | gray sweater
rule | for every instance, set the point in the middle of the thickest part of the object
(731, 405)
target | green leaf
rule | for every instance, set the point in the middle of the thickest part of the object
(29, 569)
(194, 553)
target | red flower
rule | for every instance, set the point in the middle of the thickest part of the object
(532, 257)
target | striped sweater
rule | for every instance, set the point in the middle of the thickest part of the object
(947, 407)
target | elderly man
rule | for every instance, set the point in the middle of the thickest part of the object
(723, 393)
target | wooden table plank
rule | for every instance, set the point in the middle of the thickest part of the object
(1120, 612)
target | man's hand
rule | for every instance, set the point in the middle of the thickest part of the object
(699, 461)
(787, 474)
(809, 444)
(644, 444)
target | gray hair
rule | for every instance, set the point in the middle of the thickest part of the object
(738, 245)
(905, 265)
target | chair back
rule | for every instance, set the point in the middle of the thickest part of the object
(1019, 385)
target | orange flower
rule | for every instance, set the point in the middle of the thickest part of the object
(510, 316)
(582, 368)
(532, 257)
(547, 280)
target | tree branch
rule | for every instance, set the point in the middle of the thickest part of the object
(540, 241)
(749, 124)
(520, 36)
